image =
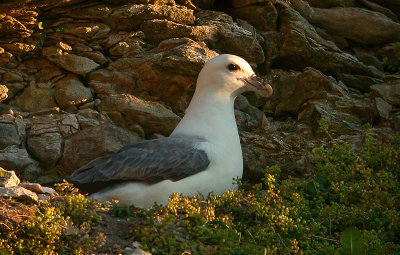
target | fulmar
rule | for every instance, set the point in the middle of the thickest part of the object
(202, 155)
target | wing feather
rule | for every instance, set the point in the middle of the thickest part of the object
(151, 161)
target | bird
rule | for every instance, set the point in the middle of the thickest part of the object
(201, 156)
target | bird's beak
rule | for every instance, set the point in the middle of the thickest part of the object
(256, 84)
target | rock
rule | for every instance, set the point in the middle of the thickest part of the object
(14, 88)
(3, 92)
(393, 5)
(230, 38)
(270, 47)
(70, 62)
(383, 108)
(91, 118)
(47, 73)
(130, 17)
(151, 115)
(338, 125)
(37, 188)
(262, 17)
(17, 192)
(302, 46)
(45, 140)
(13, 76)
(86, 12)
(360, 82)
(216, 29)
(87, 31)
(71, 92)
(368, 58)
(46, 136)
(34, 187)
(126, 49)
(20, 48)
(168, 73)
(159, 30)
(282, 143)
(377, 8)
(357, 24)
(358, 109)
(111, 80)
(12, 131)
(10, 27)
(242, 104)
(34, 98)
(12, 213)
(293, 89)
(331, 3)
(68, 125)
(389, 92)
(84, 146)
(13, 157)
(8, 178)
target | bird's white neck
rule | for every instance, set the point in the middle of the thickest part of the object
(210, 115)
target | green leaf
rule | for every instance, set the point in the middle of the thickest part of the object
(352, 242)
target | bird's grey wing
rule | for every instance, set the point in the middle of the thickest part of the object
(171, 158)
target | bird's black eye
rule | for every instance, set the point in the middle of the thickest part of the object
(233, 67)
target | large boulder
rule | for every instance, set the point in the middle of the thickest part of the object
(34, 98)
(393, 5)
(70, 62)
(293, 89)
(261, 14)
(153, 116)
(302, 46)
(12, 131)
(331, 3)
(216, 29)
(87, 31)
(18, 159)
(130, 17)
(360, 25)
(84, 146)
(168, 73)
(71, 92)
(45, 140)
(389, 92)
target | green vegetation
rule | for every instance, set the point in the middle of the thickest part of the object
(392, 63)
(59, 227)
(349, 203)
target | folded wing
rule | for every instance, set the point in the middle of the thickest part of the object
(151, 161)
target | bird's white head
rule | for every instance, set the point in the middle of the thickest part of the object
(230, 75)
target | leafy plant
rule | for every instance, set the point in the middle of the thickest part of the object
(59, 227)
(352, 242)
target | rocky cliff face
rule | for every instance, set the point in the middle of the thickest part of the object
(80, 79)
